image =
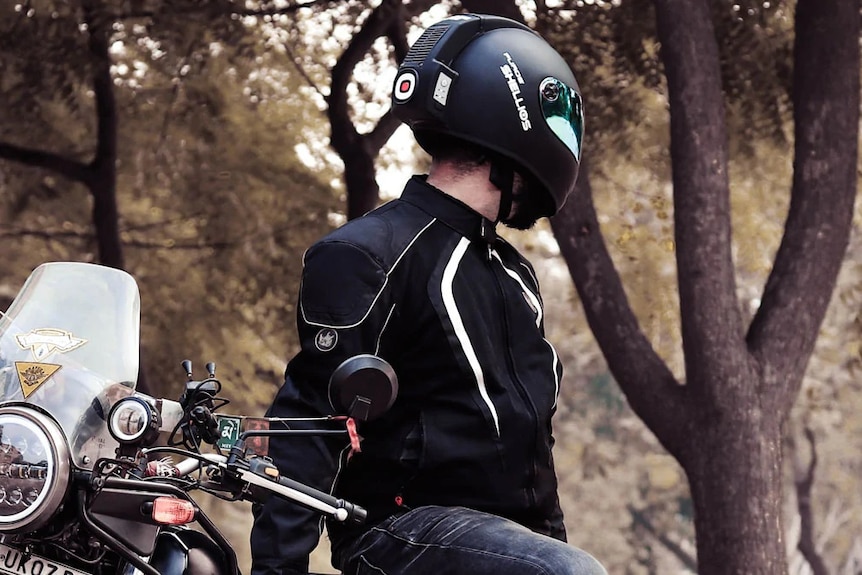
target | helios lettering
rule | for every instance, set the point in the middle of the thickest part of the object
(515, 80)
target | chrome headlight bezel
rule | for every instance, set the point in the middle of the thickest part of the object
(133, 421)
(50, 439)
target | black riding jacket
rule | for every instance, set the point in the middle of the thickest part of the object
(423, 282)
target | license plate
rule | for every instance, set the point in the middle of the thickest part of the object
(15, 562)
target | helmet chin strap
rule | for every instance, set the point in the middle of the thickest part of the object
(503, 176)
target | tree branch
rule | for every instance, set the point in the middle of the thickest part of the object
(344, 133)
(227, 8)
(296, 64)
(712, 329)
(38, 159)
(46, 234)
(356, 151)
(649, 386)
(284, 10)
(640, 518)
(826, 90)
(165, 244)
(804, 480)
(397, 36)
(377, 138)
(176, 83)
(506, 9)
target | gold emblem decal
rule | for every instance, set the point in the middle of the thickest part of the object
(45, 341)
(33, 375)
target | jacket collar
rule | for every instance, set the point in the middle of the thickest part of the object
(450, 211)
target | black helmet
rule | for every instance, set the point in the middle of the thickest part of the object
(496, 83)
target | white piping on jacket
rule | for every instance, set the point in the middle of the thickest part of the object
(377, 296)
(341, 457)
(385, 323)
(534, 300)
(460, 331)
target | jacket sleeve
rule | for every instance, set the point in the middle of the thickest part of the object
(342, 311)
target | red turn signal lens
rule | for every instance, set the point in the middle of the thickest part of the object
(173, 511)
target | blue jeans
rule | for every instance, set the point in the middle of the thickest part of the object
(455, 540)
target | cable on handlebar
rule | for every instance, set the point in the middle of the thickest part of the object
(192, 431)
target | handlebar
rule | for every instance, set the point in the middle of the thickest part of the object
(256, 479)
(263, 474)
(362, 388)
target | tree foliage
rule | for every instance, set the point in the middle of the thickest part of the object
(212, 197)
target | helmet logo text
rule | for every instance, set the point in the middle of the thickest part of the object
(44, 341)
(515, 80)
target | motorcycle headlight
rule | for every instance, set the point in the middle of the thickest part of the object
(34, 468)
(134, 421)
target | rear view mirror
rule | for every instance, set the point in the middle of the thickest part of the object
(363, 387)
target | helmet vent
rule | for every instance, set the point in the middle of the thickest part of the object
(422, 47)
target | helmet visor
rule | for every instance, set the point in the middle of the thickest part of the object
(563, 111)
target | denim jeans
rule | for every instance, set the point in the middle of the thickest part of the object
(454, 540)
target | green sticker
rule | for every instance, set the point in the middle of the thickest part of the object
(228, 431)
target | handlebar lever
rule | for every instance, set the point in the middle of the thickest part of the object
(261, 473)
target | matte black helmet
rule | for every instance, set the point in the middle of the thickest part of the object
(497, 84)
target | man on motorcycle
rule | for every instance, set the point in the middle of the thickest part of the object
(458, 476)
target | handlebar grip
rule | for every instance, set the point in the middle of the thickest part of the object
(263, 474)
(356, 514)
(351, 512)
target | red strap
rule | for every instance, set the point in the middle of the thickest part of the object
(354, 436)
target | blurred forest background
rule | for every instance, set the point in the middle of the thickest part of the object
(189, 142)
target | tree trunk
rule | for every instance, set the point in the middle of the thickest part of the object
(102, 180)
(359, 178)
(735, 478)
(724, 424)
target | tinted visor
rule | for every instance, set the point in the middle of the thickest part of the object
(563, 111)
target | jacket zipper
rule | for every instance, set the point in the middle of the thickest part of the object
(510, 364)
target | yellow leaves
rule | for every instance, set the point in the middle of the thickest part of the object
(663, 472)
(625, 237)
(650, 48)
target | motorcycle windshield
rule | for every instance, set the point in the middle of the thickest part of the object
(69, 344)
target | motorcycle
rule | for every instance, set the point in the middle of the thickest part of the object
(98, 479)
